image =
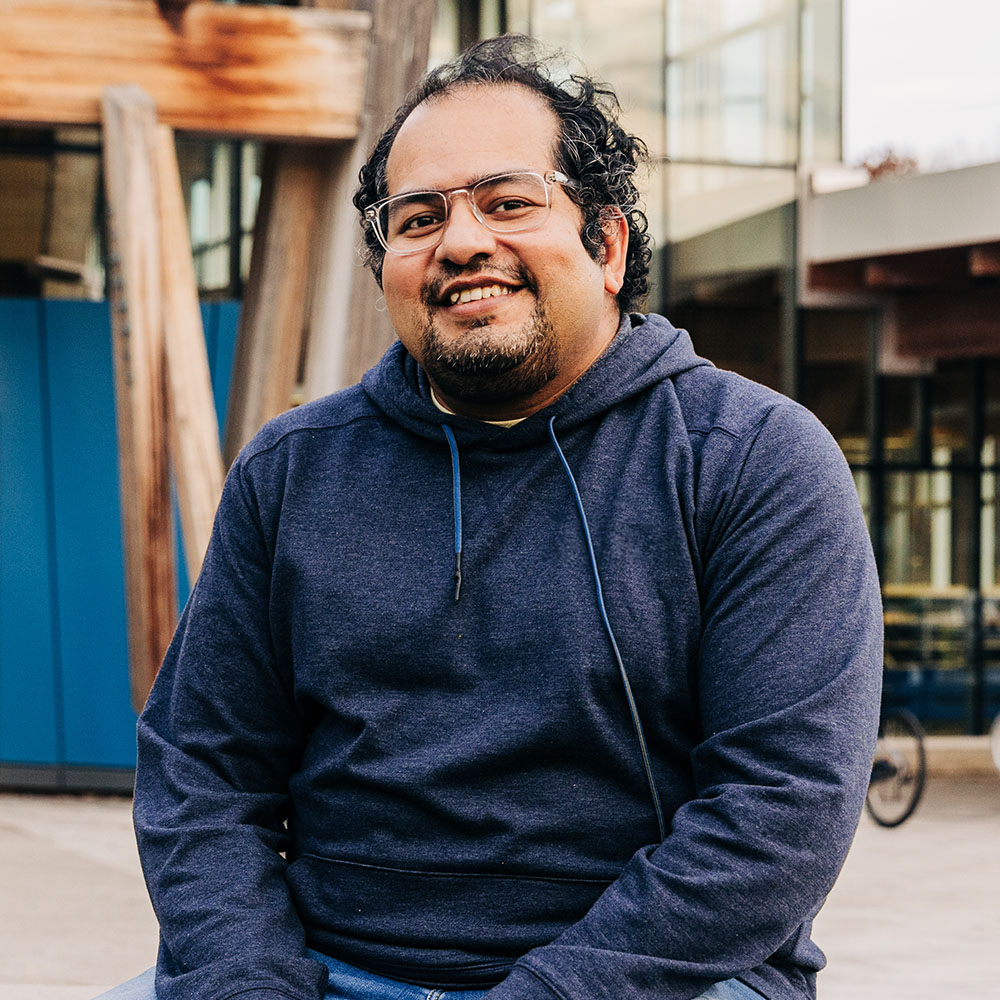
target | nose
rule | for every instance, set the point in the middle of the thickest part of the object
(464, 236)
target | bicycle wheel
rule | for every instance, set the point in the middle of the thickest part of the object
(898, 770)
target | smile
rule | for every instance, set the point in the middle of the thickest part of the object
(480, 292)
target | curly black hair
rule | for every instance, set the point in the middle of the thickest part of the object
(592, 148)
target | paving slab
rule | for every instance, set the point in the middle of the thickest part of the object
(75, 917)
(914, 915)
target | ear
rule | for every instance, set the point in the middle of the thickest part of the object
(615, 229)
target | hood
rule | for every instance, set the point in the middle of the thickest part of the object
(646, 350)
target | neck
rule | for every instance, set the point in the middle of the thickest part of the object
(435, 399)
(496, 411)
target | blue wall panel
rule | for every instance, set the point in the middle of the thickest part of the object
(28, 658)
(99, 721)
(64, 690)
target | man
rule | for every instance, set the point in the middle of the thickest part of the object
(544, 663)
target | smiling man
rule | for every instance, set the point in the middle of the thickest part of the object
(498, 300)
(542, 665)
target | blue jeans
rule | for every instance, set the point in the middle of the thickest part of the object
(348, 983)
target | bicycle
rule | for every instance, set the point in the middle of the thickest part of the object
(899, 769)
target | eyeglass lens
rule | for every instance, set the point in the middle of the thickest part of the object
(511, 203)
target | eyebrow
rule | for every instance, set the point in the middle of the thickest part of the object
(474, 181)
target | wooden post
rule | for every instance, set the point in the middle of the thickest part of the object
(347, 332)
(137, 331)
(269, 342)
(192, 425)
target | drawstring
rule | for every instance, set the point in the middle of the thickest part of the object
(633, 710)
(456, 506)
(643, 750)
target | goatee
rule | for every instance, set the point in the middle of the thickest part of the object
(484, 365)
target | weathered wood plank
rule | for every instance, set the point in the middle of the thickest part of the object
(265, 71)
(348, 333)
(192, 426)
(137, 321)
(269, 341)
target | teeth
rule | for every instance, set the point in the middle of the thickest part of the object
(473, 294)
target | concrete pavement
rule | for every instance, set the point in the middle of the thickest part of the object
(914, 916)
(73, 910)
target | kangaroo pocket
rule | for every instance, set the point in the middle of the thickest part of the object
(439, 928)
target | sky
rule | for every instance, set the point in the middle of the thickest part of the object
(922, 77)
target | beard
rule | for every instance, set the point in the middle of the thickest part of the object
(485, 366)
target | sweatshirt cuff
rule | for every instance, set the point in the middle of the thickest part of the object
(269, 978)
(523, 984)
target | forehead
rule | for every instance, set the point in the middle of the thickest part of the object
(469, 133)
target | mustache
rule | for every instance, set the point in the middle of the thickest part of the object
(431, 293)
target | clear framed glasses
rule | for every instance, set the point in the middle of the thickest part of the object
(506, 203)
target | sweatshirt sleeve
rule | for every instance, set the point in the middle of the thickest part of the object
(218, 739)
(789, 675)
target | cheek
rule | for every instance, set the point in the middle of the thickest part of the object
(401, 286)
(575, 276)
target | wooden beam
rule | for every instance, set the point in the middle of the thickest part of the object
(945, 267)
(269, 341)
(984, 262)
(880, 275)
(265, 71)
(348, 333)
(60, 268)
(192, 424)
(137, 328)
(836, 276)
(942, 325)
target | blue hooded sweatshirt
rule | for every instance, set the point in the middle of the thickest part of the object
(348, 751)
